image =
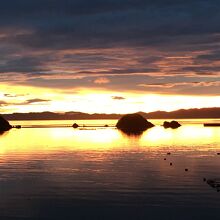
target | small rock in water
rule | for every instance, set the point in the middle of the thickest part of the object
(75, 125)
(165, 158)
(168, 153)
(218, 153)
(214, 183)
(204, 179)
(186, 170)
(211, 183)
(171, 164)
(172, 124)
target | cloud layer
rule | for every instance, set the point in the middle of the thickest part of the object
(168, 47)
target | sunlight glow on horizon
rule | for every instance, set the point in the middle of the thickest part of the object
(34, 99)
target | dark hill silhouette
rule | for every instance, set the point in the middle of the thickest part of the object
(4, 125)
(179, 114)
(185, 113)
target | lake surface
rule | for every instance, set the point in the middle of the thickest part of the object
(64, 173)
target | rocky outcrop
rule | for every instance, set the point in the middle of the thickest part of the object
(172, 124)
(75, 125)
(133, 124)
(4, 125)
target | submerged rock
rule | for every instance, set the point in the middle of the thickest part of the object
(133, 124)
(4, 125)
(214, 183)
(172, 124)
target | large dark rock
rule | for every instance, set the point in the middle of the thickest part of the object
(172, 124)
(133, 124)
(4, 125)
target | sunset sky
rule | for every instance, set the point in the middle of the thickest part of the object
(110, 56)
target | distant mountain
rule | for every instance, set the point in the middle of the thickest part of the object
(184, 113)
(58, 116)
(179, 114)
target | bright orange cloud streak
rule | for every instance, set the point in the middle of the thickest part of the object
(95, 101)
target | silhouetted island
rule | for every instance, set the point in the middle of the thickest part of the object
(4, 125)
(133, 124)
(172, 124)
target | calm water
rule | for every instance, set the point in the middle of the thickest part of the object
(62, 173)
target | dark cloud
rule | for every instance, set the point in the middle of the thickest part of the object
(202, 70)
(121, 71)
(27, 102)
(118, 98)
(185, 87)
(213, 56)
(30, 65)
(95, 24)
(3, 103)
(64, 44)
(14, 95)
(178, 84)
(32, 101)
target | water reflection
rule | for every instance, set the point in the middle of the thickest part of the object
(103, 174)
(3, 133)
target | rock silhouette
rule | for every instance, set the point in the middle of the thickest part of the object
(4, 125)
(133, 124)
(214, 183)
(75, 125)
(211, 125)
(172, 124)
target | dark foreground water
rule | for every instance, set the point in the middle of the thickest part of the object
(62, 173)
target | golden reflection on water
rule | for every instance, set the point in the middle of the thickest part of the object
(186, 135)
(72, 164)
(88, 137)
(47, 140)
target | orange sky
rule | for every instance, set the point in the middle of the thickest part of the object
(109, 56)
(34, 99)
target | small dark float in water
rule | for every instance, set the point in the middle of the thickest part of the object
(211, 124)
(17, 126)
